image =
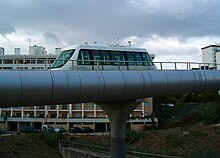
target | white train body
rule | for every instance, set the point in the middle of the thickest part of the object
(89, 57)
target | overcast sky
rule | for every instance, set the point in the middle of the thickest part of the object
(174, 30)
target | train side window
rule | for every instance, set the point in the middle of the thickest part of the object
(138, 58)
(118, 56)
(84, 57)
(130, 58)
(106, 57)
(95, 56)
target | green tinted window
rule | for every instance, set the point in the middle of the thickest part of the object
(138, 58)
(118, 56)
(106, 57)
(62, 58)
(84, 57)
(130, 57)
(95, 56)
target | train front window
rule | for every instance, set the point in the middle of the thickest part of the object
(62, 58)
(138, 59)
(145, 59)
(151, 63)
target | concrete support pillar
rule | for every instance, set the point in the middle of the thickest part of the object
(83, 110)
(118, 114)
(22, 112)
(11, 113)
(35, 111)
(57, 111)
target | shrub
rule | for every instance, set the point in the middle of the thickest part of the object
(52, 139)
(132, 136)
(209, 114)
(173, 138)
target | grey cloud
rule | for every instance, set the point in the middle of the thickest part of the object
(6, 28)
(106, 20)
(52, 39)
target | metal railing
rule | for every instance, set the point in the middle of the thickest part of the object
(105, 149)
(186, 66)
(111, 65)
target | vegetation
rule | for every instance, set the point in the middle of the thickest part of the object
(132, 136)
(188, 109)
(52, 139)
(185, 130)
(33, 145)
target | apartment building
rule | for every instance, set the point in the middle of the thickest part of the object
(211, 54)
(66, 115)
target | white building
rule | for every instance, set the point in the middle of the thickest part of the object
(211, 54)
(2, 51)
(17, 51)
(57, 51)
(37, 50)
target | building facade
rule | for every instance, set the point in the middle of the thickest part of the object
(211, 54)
(2, 51)
(66, 115)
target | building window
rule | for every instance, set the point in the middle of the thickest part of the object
(100, 115)
(33, 61)
(40, 61)
(89, 106)
(64, 107)
(77, 106)
(18, 114)
(146, 104)
(53, 115)
(41, 115)
(8, 61)
(53, 107)
(78, 115)
(64, 115)
(41, 107)
(88, 115)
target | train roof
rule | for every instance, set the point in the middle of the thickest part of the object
(99, 47)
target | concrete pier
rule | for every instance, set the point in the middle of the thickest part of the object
(118, 114)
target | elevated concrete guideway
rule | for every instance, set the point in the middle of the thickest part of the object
(20, 88)
(114, 91)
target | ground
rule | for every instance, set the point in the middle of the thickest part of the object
(196, 140)
(26, 146)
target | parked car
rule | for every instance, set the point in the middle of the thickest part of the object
(2, 132)
(28, 129)
(59, 130)
(75, 130)
(87, 130)
(47, 128)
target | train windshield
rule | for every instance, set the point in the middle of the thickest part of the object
(62, 58)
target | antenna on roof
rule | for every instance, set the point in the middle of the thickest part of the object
(118, 42)
(129, 43)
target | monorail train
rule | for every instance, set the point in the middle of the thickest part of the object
(92, 57)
